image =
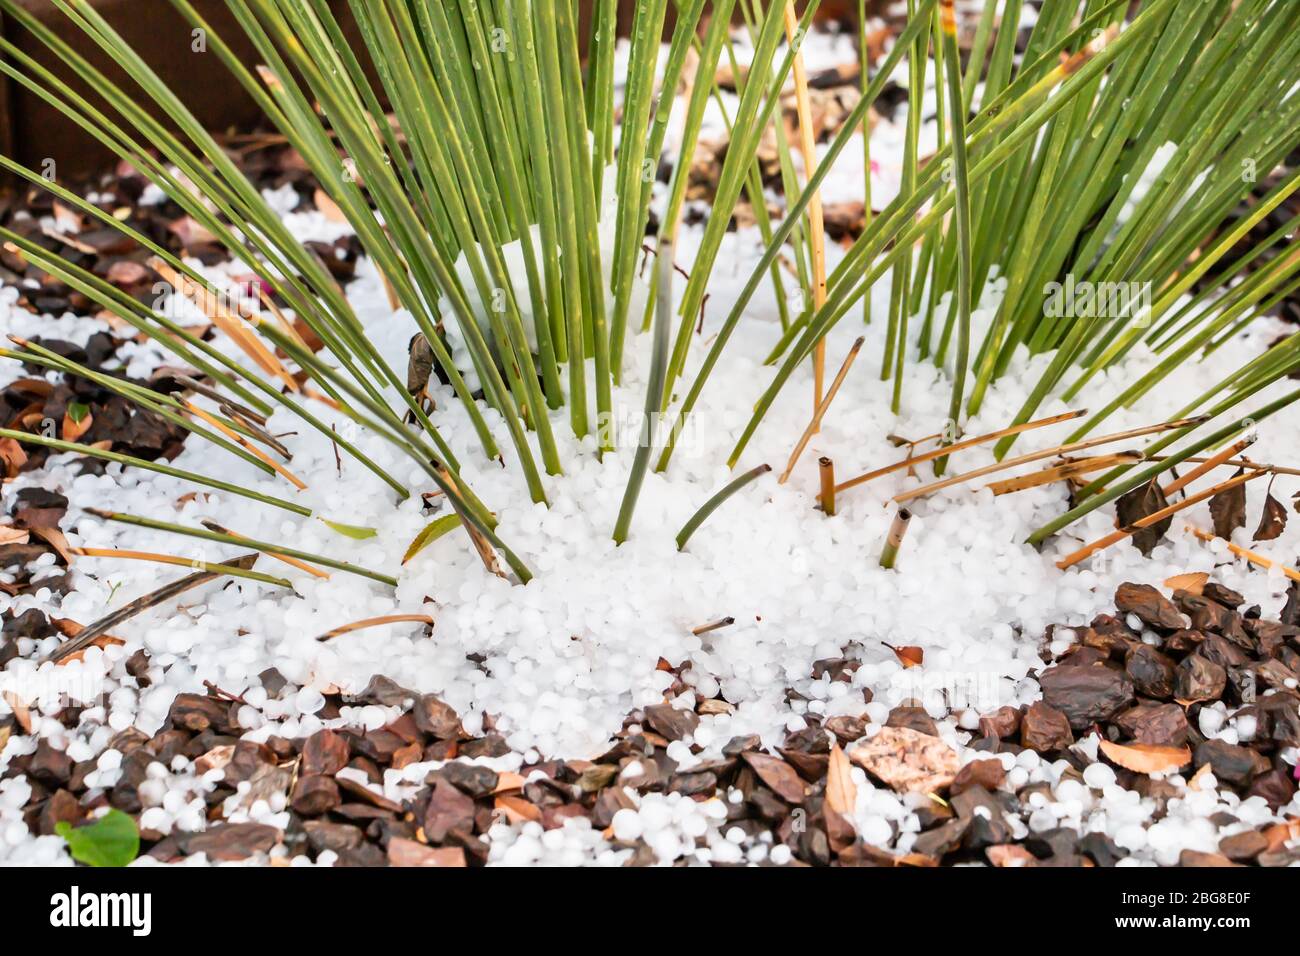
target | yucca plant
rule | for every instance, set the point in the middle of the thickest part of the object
(482, 164)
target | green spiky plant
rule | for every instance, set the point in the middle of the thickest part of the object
(496, 151)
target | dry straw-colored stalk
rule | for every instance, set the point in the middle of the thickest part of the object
(820, 411)
(912, 460)
(376, 622)
(292, 562)
(1254, 557)
(1040, 455)
(1069, 469)
(1205, 467)
(894, 540)
(816, 220)
(826, 471)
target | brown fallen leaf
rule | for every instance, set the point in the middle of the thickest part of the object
(11, 535)
(328, 207)
(1198, 779)
(517, 809)
(1193, 582)
(73, 427)
(1010, 855)
(1146, 758)
(908, 656)
(12, 457)
(21, 713)
(1228, 509)
(841, 791)
(507, 781)
(907, 760)
(56, 540)
(1139, 503)
(1273, 520)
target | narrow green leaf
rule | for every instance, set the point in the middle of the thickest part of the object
(431, 533)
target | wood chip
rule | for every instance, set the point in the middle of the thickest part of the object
(907, 761)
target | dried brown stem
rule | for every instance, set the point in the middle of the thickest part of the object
(816, 221)
(949, 449)
(376, 622)
(88, 634)
(252, 449)
(826, 469)
(894, 540)
(820, 411)
(1069, 469)
(1047, 453)
(1207, 466)
(1253, 557)
(292, 562)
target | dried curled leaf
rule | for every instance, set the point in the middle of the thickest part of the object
(908, 656)
(1136, 505)
(1228, 509)
(1272, 522)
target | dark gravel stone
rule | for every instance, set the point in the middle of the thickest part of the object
(324, 835)
(1276, 787)
(197, 712)
(230, 841)
(1045, 729)
(739, 745)
(1222, 652)
(979, 773)
(491, 745)
(986, 828)
(1243, 846)
(1161, 725)
(436, 718)
(1101, 849)
(693, 784)
(1086, 695)
(913, 718)
(943, 839)
(448, 809)
(325, 752)
(315, 794)
(1152, 673)
(1152, 608)
(1003, 722)
(1230, 763)
(1223, 594)
(1199, 678)
(51, 767)
(469, 778)
(847, 729)
(671, 722)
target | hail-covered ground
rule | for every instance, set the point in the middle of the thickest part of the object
(561, 661)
